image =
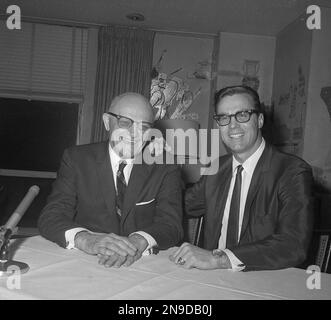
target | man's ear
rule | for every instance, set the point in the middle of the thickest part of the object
(105, 118)
(260, 120)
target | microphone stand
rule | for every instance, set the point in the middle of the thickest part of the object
(7, 266)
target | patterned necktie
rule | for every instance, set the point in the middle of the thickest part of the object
(233, 223)
(121, 186)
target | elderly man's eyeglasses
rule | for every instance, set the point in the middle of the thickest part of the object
(126, 123)
(240, 116)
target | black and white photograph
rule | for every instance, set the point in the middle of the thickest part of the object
(175, 151)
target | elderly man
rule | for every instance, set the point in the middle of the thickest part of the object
(257, 208)
(104, 202)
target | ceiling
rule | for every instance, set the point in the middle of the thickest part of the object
(262, 17)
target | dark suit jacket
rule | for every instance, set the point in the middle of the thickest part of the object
(277, 223)
(83, 195)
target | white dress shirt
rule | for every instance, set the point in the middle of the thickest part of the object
(247, 174)
(115, 160)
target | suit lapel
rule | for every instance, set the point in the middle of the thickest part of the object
(258, 176)
(224, 179)
(138, 176)
(106, 179)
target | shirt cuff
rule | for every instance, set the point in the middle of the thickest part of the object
(150, 240)
(70, 237)
(236, 264)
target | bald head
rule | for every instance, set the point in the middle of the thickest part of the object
(132, 105)
(128, 122)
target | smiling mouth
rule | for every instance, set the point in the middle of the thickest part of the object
(236, 135)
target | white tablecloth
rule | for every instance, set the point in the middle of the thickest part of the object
(57, 273)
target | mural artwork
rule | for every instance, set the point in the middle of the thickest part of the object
(171, 96)
(323, 174)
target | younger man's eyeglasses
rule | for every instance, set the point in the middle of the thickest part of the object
(240, 116)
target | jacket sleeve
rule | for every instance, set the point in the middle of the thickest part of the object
(58, 214)
(195, 201)
(288, 245)
(195, 196)
(167, 228)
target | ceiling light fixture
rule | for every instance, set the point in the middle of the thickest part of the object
(135, 17)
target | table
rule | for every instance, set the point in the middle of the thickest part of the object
(57, 273)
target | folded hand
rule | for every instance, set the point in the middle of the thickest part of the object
(113, 259)
(105, 244)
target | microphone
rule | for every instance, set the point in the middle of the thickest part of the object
(22, 207)
(8, 229)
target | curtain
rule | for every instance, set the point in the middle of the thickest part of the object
(125, 58)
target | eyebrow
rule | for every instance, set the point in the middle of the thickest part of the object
(227, 114)
(142, 121)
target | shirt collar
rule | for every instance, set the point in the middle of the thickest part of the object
(116, 159)
(250, 163)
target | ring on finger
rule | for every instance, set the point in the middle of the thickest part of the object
(181, 261)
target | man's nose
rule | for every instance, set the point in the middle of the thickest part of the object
(233, 122)
(135, 129)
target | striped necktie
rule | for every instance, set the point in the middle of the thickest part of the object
(121, 187)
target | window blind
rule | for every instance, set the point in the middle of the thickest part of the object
(43, 61)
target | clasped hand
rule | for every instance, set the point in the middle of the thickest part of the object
(112, 250)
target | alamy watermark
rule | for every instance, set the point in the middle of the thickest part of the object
(14, 20)
(183, 146)
(13, 274)
(313, 282)
(313, 21)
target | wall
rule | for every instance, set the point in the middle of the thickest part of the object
(302, 122)
(234, 50)
(292, 64)
(317, 143)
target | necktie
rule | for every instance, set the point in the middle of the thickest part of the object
(233, 223)
(121, 186)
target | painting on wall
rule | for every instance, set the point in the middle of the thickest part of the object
(322, 174)
(171, 96)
